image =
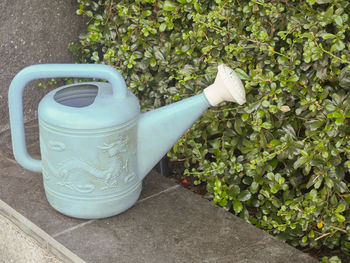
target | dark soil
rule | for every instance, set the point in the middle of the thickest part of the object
(175, 172)
(325, 251)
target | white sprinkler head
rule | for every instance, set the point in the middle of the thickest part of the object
(226, 87)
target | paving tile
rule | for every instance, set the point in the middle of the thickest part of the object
(269, 250)
(175, 226)
(23, 190)
(154, 183)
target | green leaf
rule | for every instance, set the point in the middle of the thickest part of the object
(314, 125)
(275, 188)
(244, 196)
(267, 125)
(146, 13)
(242, 74)
(328, 36)
(265, 103)
(340, 121)
(153, 62)
(338, 20)
(169, 5)
(254, 187)
(238, 126)
(159, 55)
(237, 206)
(162, 27)
(339, 45)
(330, 107)
(304, 239)
(323, 1)
(223, 202)
(344, 77)
(340, 217)
(340, 208)
(233, 191)
(300, 162)
(245, 116)
(274, 142)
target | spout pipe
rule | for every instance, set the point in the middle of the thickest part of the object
(159, 130)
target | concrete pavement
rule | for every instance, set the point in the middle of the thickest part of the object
(167, 224)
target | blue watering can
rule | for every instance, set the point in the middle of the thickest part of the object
(96, 147)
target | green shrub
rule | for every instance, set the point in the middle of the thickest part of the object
(282, 160)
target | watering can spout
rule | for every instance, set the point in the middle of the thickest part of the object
(159, 130)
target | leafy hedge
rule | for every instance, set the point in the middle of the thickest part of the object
(282, 160)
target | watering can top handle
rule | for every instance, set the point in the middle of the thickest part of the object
(76, 71)
(51, 71)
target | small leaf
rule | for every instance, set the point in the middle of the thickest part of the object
(339, 121)
(275, 188)
(340, 208)
(338, 20)
(146, 13)
(265, 103)
(339, 45)
(244, 196)
(153, 62)
(339, 217)
(266, 125)
(159, 55)
(242, 74)
(245, 116)
(233, 191)
(238, 126)
(304, 239)
(254, 187)
(162, 27)
(314, 124)
(300, 162)
(328, 36)
(237, 206)
(169, 5)
(289, 130)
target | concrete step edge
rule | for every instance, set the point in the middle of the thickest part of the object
(45, 240)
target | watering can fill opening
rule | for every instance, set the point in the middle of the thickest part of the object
(78, 96)
(96, 147)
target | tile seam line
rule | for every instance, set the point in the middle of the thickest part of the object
(159, 193)
(73, 228)
(93, 220)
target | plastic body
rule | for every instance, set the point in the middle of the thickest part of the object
(95, 146)
(88, 145)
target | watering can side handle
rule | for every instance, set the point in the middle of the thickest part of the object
(50, 71)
